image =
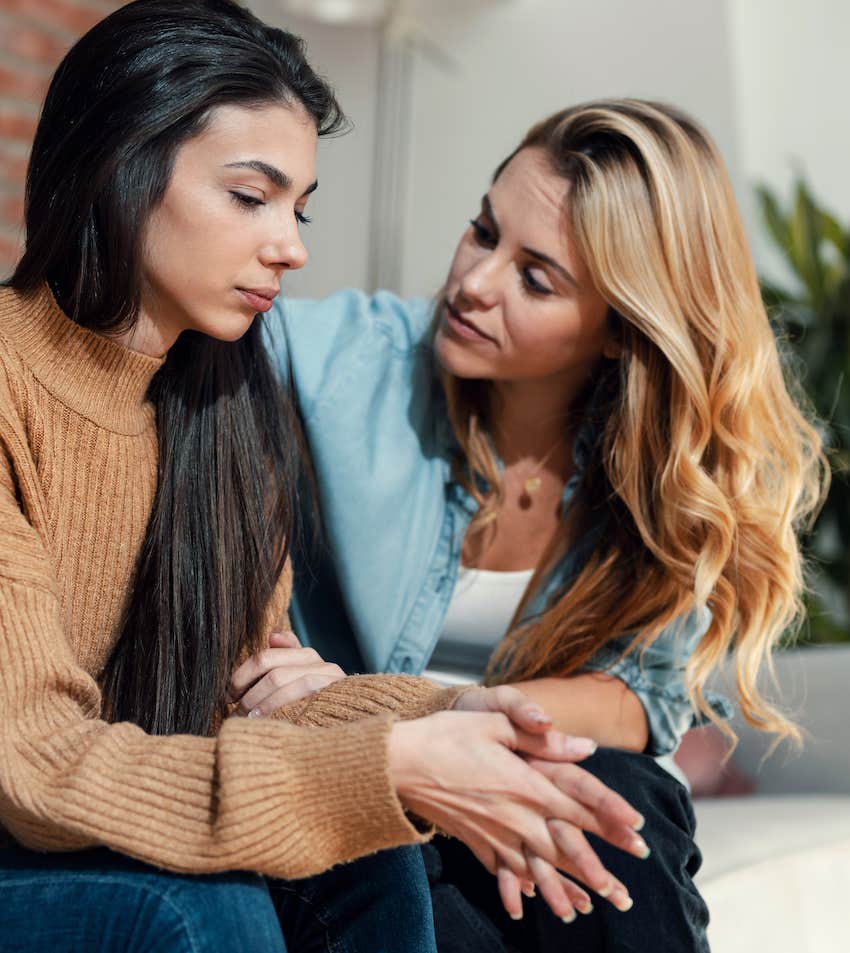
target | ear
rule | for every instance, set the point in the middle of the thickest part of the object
(612, 349)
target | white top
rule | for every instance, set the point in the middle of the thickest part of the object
(480, 611)
(481, 608)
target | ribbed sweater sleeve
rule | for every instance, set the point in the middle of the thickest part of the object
(362, 696)
(284, 800)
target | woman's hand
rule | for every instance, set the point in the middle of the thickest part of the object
(461, 771)
(279, 675)
(562, 895)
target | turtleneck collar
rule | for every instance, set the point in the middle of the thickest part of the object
(87, 372)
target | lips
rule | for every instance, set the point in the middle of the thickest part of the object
(260, 299)
(462, 326)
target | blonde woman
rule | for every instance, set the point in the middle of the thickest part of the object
(580, 472)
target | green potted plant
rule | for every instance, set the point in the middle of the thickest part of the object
(812, 318)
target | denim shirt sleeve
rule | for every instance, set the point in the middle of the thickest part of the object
(657, 676)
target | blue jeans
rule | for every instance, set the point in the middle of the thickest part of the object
(100, 902)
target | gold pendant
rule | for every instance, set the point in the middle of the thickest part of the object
(532, 485)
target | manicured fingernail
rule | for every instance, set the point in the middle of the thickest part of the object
(569, 917)
(641, 848)
(623, 903)
(606, 890)
(529, 891)
(639, 823)
(538, 715)
(586, 907)
(255, 713)
(579, 747)
(516, 916)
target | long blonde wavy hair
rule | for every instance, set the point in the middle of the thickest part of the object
(706, 468)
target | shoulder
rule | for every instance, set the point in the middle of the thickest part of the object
(350, 317)
(350, 340)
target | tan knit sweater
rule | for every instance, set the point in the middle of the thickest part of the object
(286, 797)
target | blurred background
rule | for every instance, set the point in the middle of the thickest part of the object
(439, 91)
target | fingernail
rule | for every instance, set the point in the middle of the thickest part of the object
(516, 916)
(641, 848)
(623, 903)
(579, 747)
(255, 713)
(605, 892)
(639, 823)
(529, 891)
(569, 917)
(538, 715)
(586, 907)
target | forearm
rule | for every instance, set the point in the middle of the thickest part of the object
(594, 705)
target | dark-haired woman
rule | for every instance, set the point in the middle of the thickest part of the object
(148, 462)
(583, 461)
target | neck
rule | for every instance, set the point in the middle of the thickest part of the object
(528, 419)
(147, 336)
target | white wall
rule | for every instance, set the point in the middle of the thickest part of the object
(790, 66)
(337, 239)
(513, 61)
(518, 60)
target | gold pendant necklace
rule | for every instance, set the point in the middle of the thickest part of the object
(533, 483)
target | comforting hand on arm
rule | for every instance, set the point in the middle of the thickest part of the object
(523, 817)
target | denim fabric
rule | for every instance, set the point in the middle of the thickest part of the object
(375, 596)
(668, 912)
(100, 902)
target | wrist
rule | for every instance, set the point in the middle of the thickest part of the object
(401, 757)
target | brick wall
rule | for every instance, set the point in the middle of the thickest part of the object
(34, 35)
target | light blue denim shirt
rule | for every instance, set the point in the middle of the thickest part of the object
(375, 594)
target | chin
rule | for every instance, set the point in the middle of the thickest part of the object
(230, 327)
(459, 360)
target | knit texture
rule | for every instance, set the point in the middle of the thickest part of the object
(288, 796)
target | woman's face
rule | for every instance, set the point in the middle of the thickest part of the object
(519, 302)
(217, 246)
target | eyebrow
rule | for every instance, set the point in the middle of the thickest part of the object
(272, 173)
(487, 205)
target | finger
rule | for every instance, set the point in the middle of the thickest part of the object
(514, 703)
(600, 810)
(281, 677)
(580, 899)
(510, 892)
(284, 640)
(294, 691)
(580, 861)
(553, 888)
(551, 745)
(263, 662)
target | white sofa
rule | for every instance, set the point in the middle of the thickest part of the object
(776, 871)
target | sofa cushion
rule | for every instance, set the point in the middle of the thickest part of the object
(776, 873)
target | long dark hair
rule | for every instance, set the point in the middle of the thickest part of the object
(127, 95)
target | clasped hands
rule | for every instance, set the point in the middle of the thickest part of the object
(491, 772)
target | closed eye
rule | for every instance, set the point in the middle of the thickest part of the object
(532, 284)
(248, 202)
(483, 235)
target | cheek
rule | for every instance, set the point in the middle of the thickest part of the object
(190, 249)
(548, 338)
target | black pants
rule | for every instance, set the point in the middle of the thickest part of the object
(668, 915)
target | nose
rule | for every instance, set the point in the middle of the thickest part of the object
(285, 249)
(479, 284)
